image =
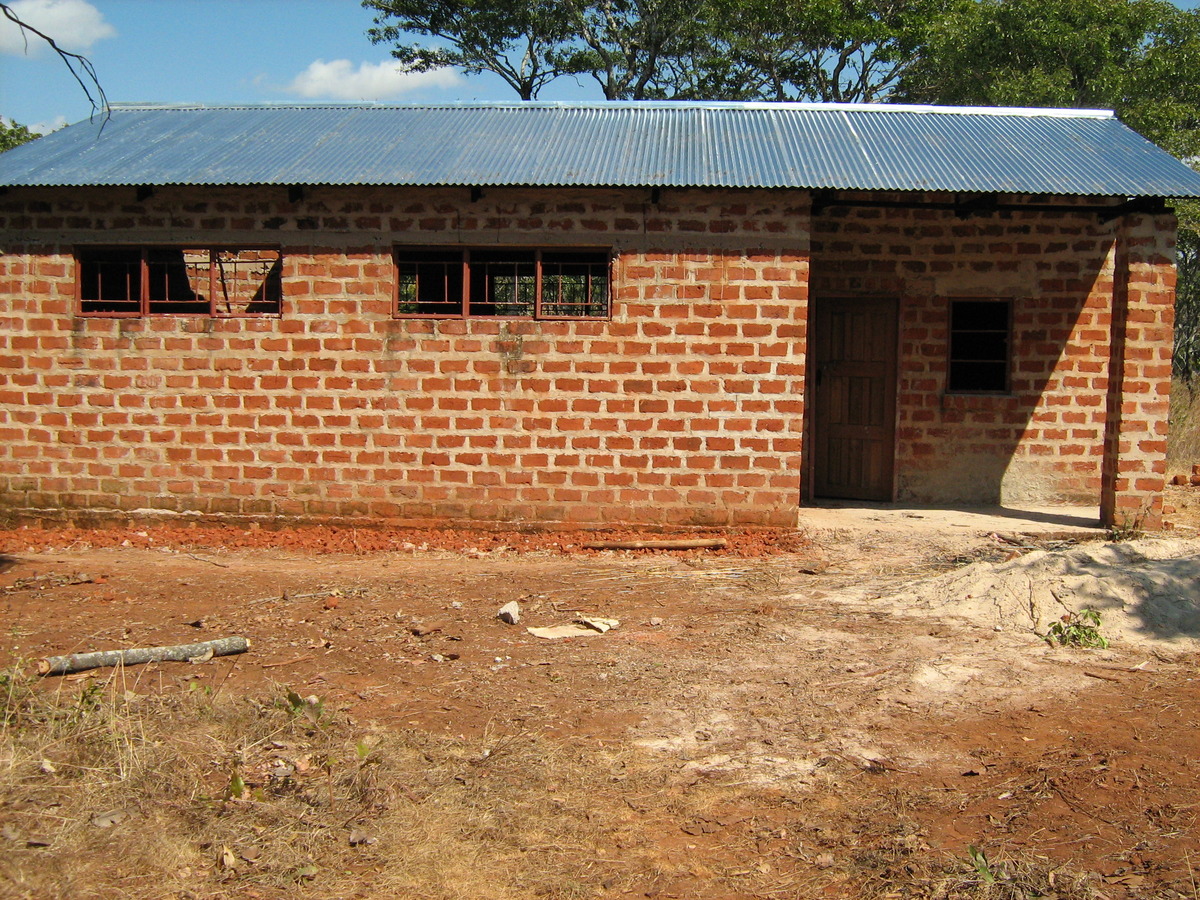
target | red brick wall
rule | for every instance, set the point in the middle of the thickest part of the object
(1044, 442)
(686, 407)
(1139, 390)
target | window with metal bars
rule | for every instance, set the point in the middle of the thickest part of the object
(980, 346)
(178, 281)
(440, 282)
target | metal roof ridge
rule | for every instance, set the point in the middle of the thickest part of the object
(1013, 111)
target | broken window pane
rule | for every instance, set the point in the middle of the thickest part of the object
(247, 282)
(178, 281)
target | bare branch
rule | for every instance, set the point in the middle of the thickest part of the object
(80, 67)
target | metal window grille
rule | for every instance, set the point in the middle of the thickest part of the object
(177, 281)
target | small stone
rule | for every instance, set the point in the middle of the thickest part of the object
(510, 613)
(456, 605)
(655, 621)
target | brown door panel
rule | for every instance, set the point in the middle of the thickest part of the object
(854, 408)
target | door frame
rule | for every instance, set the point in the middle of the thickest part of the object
(812, 363)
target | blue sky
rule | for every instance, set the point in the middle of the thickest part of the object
(221, 51)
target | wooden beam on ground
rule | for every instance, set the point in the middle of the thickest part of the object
(202, 650)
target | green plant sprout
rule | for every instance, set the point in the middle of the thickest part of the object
(1078, 629)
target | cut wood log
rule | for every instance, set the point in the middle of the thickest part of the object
(706, 544)
(79, 662)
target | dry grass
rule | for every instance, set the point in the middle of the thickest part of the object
(107, 792)
(1183, 439)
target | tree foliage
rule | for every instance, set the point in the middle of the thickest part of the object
(518, 40)
(837, 51)
(13, 134)
(628, 45)
(1140, 58)
(831, 50)
(1187, 293)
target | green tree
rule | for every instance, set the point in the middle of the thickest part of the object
(1140, 58)
(13, 134)
(519, 40)
(628, 46)
(1187, 293)
(833, 51)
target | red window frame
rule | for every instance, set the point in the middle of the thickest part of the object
(465, 278)
(140, 267)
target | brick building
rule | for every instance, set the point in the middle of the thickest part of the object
(637, 312)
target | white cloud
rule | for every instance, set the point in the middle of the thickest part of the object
(74, 24)
(46, 127)
(339, 80)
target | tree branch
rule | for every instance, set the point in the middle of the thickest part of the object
(79, 66)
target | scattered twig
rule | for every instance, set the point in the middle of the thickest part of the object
(78, 662)
(213, 561)
(706, 544)
(1102, 676)
(232, 665)
(289, 662)
(286, 596)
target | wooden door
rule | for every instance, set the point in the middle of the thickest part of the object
(854, 402)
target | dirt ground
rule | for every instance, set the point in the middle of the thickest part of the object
(811, 731)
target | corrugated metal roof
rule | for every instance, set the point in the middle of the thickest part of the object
(615, 144)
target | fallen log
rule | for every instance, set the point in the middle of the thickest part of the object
(706, 544)
(79, 662)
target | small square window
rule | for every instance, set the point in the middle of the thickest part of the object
(980, 346)
(503, 282)
(110, 282)
(574, 285)
(429, 282)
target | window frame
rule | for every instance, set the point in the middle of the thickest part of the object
(957, 390)
(412, 253)
(145, 305)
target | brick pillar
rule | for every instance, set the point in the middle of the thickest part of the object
(1139, 384)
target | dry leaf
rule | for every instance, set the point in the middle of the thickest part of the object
(110, 818)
